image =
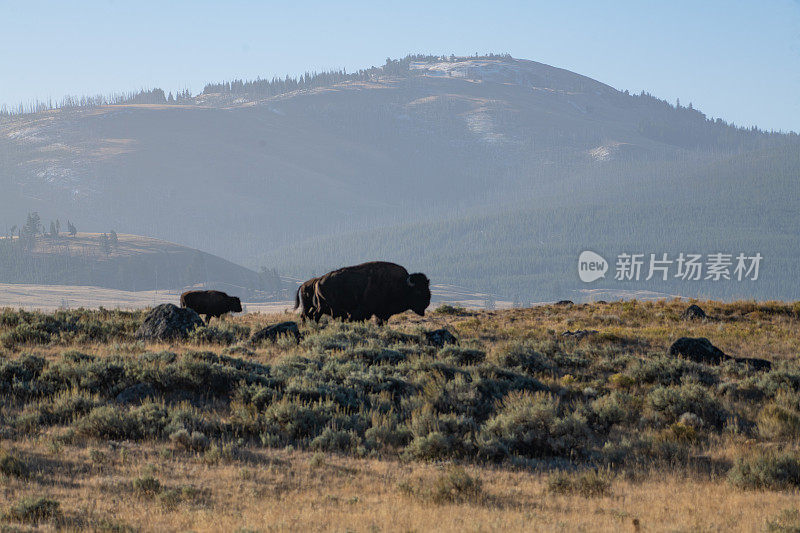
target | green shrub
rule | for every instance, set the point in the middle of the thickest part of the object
(615, 408)
(108, 422)
(524, 355)
(225, 334)
(33, 510)
(194, 441)
(24, 334)
(672, 402)
(591, 483)
(461, 356)
(766, 471)
(332, 440)
(530, 425)
(431, 447)
(450, 310)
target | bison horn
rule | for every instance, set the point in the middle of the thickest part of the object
(410, 283)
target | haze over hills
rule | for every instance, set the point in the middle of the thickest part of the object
(488, 172)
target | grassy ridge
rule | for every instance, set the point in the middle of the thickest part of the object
(515, 399)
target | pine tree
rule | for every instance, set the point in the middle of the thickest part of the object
(71, 228)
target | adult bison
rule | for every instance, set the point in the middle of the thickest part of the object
(210, 303)
(304, 299)
(376, 289)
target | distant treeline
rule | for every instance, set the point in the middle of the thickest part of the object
(144, 96)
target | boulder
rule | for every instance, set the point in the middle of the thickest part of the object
(694, 312)
(699, 350)
(272, 332)
(167, 322)
(440, 337)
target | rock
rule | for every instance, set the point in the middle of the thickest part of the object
(580, 333)
(274, 331)
(755, 363)
(135, 393)
(565, 302)
(699, 350)
(167, 322)
(694, 312)
(440, 337)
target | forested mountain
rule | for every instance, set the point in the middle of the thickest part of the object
(489, 172)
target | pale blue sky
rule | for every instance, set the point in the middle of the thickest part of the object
(739, 60)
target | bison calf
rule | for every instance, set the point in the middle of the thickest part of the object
(210, 303)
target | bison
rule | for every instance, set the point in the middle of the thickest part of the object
(376, 289)
(304, 299)
(210, 303)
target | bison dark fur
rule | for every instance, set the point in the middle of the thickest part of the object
(376, 289)
(304, 299)
(210, 303)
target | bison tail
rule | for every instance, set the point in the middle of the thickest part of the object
(297, 299)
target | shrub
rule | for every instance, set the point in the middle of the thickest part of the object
(24, 334)
(108, 422)
(452, 310)
(333, 440)
(216, 453)
(591, 483)
(11, 465)
(615, 408)
(431, 447)
(529, 424)
(523, 355)
(453, 486)
(194, 441)
(33, 510)
(672, 402)
(766, 471)
(780, 418)
(147, 486)
(461, 356)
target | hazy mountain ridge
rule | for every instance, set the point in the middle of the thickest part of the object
(251, 171)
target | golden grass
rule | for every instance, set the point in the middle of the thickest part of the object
(283, 490)
(288, 490)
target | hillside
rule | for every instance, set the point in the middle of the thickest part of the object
(127, 262)
(493, 173)
(552, 418)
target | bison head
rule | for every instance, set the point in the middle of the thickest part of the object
(236, 304)
(419, 297)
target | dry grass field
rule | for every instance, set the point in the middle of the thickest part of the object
(364, 428)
